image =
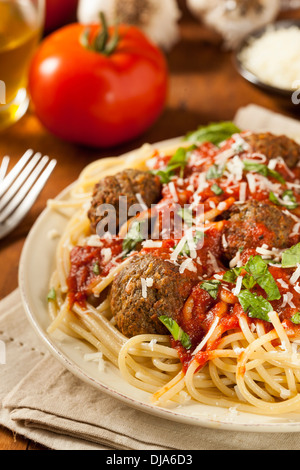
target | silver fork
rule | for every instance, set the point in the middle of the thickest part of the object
(20, 188)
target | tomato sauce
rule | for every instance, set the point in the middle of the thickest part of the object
(192, 186)
(89, 263)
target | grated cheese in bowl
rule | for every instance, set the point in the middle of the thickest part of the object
(274, 57)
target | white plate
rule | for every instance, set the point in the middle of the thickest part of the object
(36, 266)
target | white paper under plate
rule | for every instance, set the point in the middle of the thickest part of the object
(36, 266)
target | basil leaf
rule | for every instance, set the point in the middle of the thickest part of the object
(186, 251)
(277, 176)
(291, 257)
(177, 332)
(165, 176)
(254, 305)
(262, 170)
(216, 133)
(51, 295)
(216, 189)
(230, 276)
(179, 160)
(288, 200)
(248, 281)
(186, 215)
(133, 237)
(215, 172)
(296, 318)
(261, 274)
(212, 287)
(274, 198)
(258, 272)
(96, 268)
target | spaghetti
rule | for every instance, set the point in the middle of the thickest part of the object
(241, 254)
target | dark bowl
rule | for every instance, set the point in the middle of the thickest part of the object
(283, 94)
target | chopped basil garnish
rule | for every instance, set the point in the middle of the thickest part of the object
(215, 172)
(177, 332)
(263, 170)
(186, 250)
(216, 189)
(249, 281)
(51, 294)
(296, 318)
(288, 199)
(291, 257)
(258, 273)
(212, 287)
(255, 305)
(186, 215)
(231, 275)
(133, 237)
(261, 274)
(178, 161)
(216, 133)
(96, 268)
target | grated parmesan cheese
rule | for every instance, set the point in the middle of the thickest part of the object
(282, 283)
(287, 300)
(152, 244)
(238, 286)
(243, 192)
(296, 275)
(297, 288)
(189, 265)
(145, 284)
(107, 255)
(141, 202)
(173, 191)
(274, 57)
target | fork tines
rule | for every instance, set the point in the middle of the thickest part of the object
(20, 187)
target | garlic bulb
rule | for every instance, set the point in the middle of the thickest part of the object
(157, 19)
(235, 19)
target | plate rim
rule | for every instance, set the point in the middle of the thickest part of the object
(75, 369)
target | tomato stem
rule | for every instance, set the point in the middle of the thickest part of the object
(103, 42)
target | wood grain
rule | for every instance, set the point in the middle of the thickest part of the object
(204, 87)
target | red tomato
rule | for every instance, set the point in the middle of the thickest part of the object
(98, 99)
(59, 12)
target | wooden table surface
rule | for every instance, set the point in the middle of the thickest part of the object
(204, 87)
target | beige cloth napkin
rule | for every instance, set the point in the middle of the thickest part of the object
(42, 401)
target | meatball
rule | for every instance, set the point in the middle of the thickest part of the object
(254, 224)
(127, 183)
(273, 146)
(136, 307)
